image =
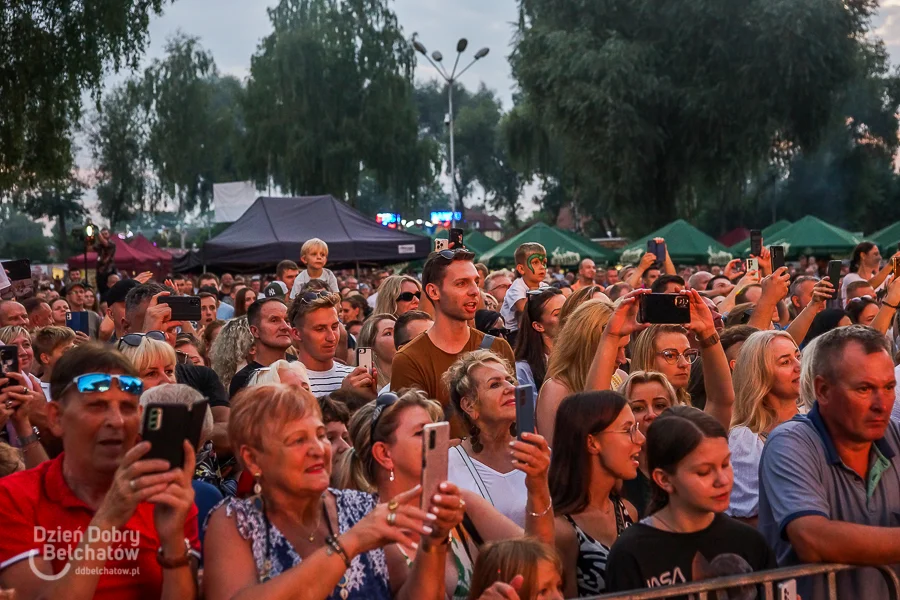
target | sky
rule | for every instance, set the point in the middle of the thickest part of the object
(231, 30)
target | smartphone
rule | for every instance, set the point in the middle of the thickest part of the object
(435, 449)
(456, 238)
(184, 308)
(165, 426)
(195, 421)
(834, 272)
(78, 321)
(524, 410)
(652, 248)
(9, 361)
(777, 257)
(787, 590)
(661, 253)
(364, 358)
(441, 244)
(672, 309)
(755, 242)
(18, 270)
(752, 264)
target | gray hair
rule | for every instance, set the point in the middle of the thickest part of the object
(807, 377)
(177, 393)
(795, 287)
(695, 279)
(830, 349)
(231, 348)
(138, 295)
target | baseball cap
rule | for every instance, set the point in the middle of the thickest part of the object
(74, 285)
(276, 289)
(119, 290)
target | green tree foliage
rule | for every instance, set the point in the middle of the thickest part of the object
(61, 202)
(660, 100)
(330, 91)
(51, 52)
(21, 237)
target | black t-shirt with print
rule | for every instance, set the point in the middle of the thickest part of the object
(646, 557)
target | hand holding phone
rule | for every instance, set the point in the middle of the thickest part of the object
(455, 239)
(184, 308)
(524, 410)
(435, 457)
(9, 362)
(365, 358)
(440, 244)
(777, 257)
(671, 309)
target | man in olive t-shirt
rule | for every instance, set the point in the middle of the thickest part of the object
(451, 283)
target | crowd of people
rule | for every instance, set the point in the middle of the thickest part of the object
(763, 431)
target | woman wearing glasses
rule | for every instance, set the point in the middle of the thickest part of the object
(598, 443)
(397, 295)
(482, 390)
(151, 355)
(537, 333)
(766, 394)
(378, 333)
(387, 440)
(667, 350)
(298, 537)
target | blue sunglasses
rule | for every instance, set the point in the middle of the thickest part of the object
(102, 382)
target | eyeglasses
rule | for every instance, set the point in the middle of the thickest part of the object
(134, 339)
(102, 382)
(498, 332)
(633, 432)
(690, 356)
(408, 296)
(310, 297)
(382, 402)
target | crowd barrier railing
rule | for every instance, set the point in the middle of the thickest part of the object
(706, 589)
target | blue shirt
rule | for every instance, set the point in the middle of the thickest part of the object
(801, 474)
(225, 312)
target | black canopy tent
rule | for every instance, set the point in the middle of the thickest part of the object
(274, 229)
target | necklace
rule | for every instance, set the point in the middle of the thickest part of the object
(312, 534)
(665, 523)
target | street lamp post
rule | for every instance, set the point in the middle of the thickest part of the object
(89, 232)
(450, 78)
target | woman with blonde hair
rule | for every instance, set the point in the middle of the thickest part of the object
(297, 535)
(766, 391)
(589, 292)
(232, 349)
(152, 357)
(807, 379)
(387, 458)
(569, 368)
(524, 567)
(398, 294)
(378, 333)
(281, 371)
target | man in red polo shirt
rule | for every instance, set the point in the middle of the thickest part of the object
(97, 521)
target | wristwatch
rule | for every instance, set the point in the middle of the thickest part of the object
(710, 341)
(29, 439)
(175, 563)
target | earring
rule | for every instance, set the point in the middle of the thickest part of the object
(257, 486)
(477, 446)
(392, 475)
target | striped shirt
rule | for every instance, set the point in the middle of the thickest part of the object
(325, 382)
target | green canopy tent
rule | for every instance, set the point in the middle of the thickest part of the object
(887, 239)
(686, 245)
(813, 236)
(564, 248)
(743, 248)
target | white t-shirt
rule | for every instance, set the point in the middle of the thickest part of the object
(506, 491)
(850, 278)
(303, 278)
(516, 292)
(373, 300)
(325, 382)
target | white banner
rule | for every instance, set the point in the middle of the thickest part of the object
(231, 200)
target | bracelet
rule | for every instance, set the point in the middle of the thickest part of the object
(335, 548)
(894, 306)
(541, 514)
(710, 341)
(175, 563)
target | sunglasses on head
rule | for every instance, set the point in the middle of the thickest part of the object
(382, 402)
(865, 298)
(102, 382)
(310, 297)
(408, 296)
(498, 332)
(450, 254)
(134, 339)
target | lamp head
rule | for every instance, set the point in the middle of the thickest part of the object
(437, 56)
(462, 44)
(420, 48)
(482, 53)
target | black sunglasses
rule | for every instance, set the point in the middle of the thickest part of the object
(498, 332)
(382, 402)
(408, 296)
(134, 339)
(310, 297)
(451, 254)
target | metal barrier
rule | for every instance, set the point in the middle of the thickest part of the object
(706, 589)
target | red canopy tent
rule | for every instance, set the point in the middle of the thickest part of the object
(127, 259)
(141, 243)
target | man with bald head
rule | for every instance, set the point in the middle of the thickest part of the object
(13, 313)
(586, 272)
(699, 280)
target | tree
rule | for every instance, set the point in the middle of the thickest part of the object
(658, 100)
(330, 95)
(60, 202)
(51, 52)
(117, 139)
(20, 236)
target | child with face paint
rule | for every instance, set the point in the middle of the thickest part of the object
(531, 266)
